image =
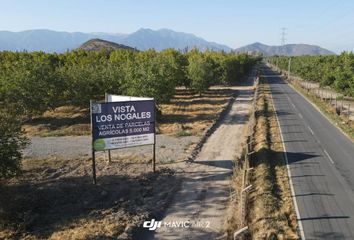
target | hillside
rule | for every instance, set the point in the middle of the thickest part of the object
(99, 44)
(164, 38)
(54, 41)
(286, 50)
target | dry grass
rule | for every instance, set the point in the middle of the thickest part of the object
(271, 212)
(233, 221)
(342, 121)
(190, 113)
(63, 121)
(186, 114)
(55, 199)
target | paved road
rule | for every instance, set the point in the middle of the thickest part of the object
(321, 163)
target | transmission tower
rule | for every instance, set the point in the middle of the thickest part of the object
(283, 36)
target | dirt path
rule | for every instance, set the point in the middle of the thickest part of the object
(203, 196)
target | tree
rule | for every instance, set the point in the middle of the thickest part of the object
(31, 82)
(11, 142)
(39, 81)
(200, 72)
(150, 75)
(334, 71)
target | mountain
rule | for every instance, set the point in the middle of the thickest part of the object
(164, 38)
(42, 40)
(54, 41)
(99, 44)
(287, 50)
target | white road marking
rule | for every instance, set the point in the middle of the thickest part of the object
(320, 111)
(300, 115)
(310, 130)
(330, 159)
(301, 228)
(291, 102)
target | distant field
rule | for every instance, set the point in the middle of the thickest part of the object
(186, 114)
(190, 113)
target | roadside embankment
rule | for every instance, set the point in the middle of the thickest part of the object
(261, 197)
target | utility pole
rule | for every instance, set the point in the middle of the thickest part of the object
(289, 67)
(283, 36)
(282, 40)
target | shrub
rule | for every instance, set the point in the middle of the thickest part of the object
(12, 142)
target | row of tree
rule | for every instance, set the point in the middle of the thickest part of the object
(39, 81)
(31, 83)
(336, 71)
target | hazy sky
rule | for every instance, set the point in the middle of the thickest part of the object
(329, 24)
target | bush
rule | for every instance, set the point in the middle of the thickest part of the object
(11, 142)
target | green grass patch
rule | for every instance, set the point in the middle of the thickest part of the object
(65, 132)
(183, 133)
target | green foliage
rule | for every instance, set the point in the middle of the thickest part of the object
(38, 81)
(183, 133)
(29, 80)
(11, 142)
(150, 74)
(200, 71)
(178, 63)
(334, 71)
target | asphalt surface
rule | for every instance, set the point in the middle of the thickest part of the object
(321, 163)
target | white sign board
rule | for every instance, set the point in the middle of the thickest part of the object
(120, 98)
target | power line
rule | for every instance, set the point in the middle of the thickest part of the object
(283, 36)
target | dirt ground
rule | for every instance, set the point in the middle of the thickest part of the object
(168, 148)
(55, 199)
(190, 113)
(186, 114)
(205, 189)
(62, 121)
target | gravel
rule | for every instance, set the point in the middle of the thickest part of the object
(168, 148)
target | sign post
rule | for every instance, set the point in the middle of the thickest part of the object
(109, 151)
(154, 149)
(122, 124)
(93, 150)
